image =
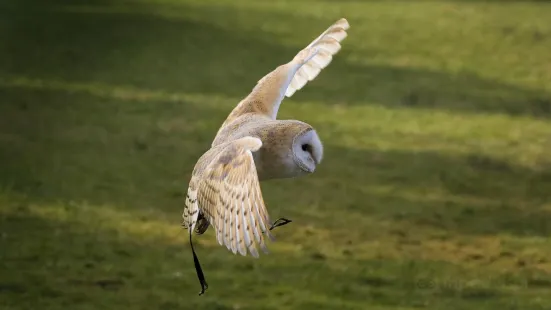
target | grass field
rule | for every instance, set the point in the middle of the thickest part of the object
(435, 190)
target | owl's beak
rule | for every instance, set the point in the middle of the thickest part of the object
(316, 161)
(308, 169)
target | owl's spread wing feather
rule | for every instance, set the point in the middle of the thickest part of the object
(228, 194)
(285, 80)
(326, 45)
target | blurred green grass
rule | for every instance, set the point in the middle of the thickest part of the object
(435, 190)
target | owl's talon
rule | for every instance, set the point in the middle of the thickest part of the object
(204, 287)
(280, 222)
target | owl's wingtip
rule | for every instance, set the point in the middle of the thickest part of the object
(343, 22)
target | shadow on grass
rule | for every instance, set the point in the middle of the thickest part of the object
(180, 48)
(102, 149)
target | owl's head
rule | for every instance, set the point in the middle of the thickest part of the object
(290, 148)
(307, 150)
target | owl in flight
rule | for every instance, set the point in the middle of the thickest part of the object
(252, 146)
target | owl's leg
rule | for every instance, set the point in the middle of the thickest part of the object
(202, 224)
(280, 222)
(198, 268)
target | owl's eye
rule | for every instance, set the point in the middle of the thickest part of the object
(305, 147)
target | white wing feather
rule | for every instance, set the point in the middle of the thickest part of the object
(326, 45)
(270, 90)
(227, 192)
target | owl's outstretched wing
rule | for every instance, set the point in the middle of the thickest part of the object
(286, 79)
(228, 194)
(327, 44)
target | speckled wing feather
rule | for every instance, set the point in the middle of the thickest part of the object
(285, 80)
(227, 192)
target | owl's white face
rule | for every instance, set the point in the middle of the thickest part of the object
(307, 150)
(290, 149)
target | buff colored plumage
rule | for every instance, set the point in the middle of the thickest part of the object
(252, 145)
(226, 192)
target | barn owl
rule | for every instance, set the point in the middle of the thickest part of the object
(252, 145)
